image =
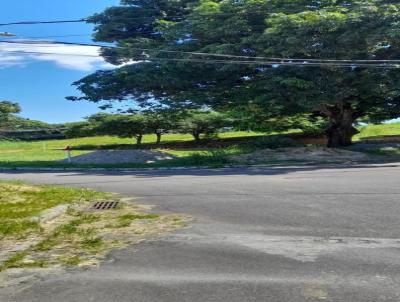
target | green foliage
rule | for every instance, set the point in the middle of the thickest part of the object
(79, 129)
(16, 122)
(303, 30)
(310, 125)
(14, 127)
(195, 122)
(161, 121)
(204, 123)
(7, 109)
(126, 126)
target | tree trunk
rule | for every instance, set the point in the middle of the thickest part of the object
(196, 136)
(159, 135)
(139, 140)
(340, 129)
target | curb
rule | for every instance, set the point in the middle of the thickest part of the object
(277, 166)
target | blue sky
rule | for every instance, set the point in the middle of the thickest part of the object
(41, 83)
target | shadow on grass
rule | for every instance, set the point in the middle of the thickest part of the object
(267, 141)
(206, 165)
(214, 153)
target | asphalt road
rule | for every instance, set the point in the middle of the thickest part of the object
(306, 234)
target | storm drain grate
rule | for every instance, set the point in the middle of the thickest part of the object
(105, 205)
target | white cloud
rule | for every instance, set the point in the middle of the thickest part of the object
(10, 60)
(76, 57)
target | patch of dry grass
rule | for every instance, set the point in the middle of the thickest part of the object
(79, 235)
(22, 204)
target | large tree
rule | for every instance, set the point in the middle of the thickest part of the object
(159, 34)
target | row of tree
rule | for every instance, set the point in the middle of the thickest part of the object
(10, 121)
(263, 60)
(197, 123)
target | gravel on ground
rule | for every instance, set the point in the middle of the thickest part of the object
(120, 157)
(304, 154)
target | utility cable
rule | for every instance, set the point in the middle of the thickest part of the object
(258, 63)
(279, 60)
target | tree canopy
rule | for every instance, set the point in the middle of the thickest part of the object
(132, 125)
(198, 122)
(195, 122)
(159, 41)
(7, 109)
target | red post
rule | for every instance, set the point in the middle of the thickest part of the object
(69, 155)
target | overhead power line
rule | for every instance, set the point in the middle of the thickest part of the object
(205, 61)
(278, 63)
(130, 18)
(56, 36)
(261, 10)
(43, 22)
(50, 53)
(279, 60)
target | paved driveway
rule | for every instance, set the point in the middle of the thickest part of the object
(305, 234)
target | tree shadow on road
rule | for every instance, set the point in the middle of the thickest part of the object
(204, 172)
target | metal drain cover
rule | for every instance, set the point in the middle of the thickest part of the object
(105, 205)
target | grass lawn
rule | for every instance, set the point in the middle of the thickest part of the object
(20, 202)
(77, 235)
(378, 130)
(49, 153)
